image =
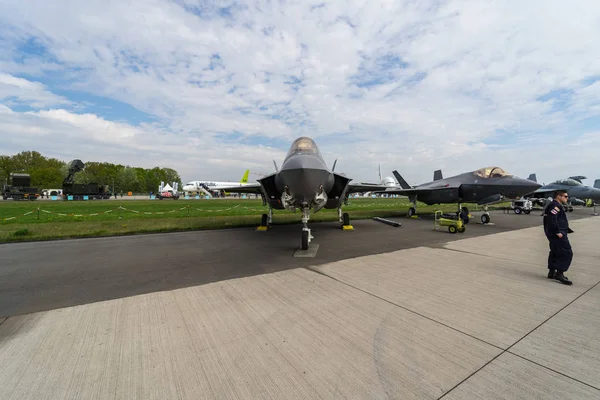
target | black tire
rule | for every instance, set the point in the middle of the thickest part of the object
(412, 211)
(462, 230)
(527, 211)
(264, 219)
(452, 229)
(485, 219)
(517, 211)
(304, 240)
(346, 219)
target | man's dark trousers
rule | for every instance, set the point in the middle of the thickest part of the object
(561, 254)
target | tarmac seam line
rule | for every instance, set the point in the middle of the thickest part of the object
(313, 269)
(3, 320)
(553, 370)
(310, 268)
(491, 256)
(527, 334)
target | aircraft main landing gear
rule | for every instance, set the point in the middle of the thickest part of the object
(266, 220)
(344, 220)
(412, 211)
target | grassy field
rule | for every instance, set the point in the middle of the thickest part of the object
(44, 220)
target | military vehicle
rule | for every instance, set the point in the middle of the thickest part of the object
(81, 191)
(20, 188)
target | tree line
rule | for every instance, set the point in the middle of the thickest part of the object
(49, 173)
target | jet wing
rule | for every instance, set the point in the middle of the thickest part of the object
(248, 188)
(402, 192)
(541, 193)
(419, 191)
(365, 187)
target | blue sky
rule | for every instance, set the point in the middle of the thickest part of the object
(214, 88)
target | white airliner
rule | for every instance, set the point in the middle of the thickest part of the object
(206, 187)
(387, 181)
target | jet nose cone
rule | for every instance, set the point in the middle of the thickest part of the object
(595, 194)
(515, 187)
(526, 184)
(304, 183)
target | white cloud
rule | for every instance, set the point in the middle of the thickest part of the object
(17, 90)
(88, 137)
(413, 85)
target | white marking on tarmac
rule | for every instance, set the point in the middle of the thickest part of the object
(310, 252)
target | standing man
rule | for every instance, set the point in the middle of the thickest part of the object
(556, 228)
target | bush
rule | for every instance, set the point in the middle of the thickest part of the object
(21, 232)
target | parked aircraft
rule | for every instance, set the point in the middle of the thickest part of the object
(210, 187)
(484, 186)
(304, 182)
(388, 181)
(578, 192)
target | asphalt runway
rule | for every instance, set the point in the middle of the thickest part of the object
(39, 276)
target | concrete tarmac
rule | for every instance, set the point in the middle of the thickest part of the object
(471, 316)
(38, 276)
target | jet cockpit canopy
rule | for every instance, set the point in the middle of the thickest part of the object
(491, 172)
(568, 182)
(304, 145)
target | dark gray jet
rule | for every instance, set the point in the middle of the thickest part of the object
(578, 192)
(304, 182)
(484, 186)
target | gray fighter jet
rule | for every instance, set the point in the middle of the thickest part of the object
(304, 182)
(484, 186)
(578, 192)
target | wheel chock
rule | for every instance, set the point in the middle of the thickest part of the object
(414, 217)
(262, 228)
(347, 228)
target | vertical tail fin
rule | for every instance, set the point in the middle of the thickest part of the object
(437, 175)
(597, 183)
(401, 180)
(380, 172)
(532, 177)
(245, 177)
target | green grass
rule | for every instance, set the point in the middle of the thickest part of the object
(22, 220)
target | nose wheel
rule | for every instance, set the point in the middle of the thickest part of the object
(485, 217)
(305, 239)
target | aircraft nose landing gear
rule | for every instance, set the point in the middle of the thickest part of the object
(306, 236)
(485, 217)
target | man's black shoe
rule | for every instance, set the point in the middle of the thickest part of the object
(562, 279)
(551, 273)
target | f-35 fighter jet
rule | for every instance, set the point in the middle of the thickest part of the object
(304, 182)
(484, 186)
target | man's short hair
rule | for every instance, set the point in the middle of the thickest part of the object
(559, 192)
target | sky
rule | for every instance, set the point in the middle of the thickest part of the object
(214, 88)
